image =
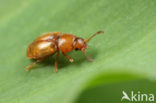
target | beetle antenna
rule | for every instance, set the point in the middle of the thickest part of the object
(99, 32)
(89, 58)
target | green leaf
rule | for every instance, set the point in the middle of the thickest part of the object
(125, 52)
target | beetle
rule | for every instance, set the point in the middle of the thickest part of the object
(52, 42)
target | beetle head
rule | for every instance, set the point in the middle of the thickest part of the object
(80, 44)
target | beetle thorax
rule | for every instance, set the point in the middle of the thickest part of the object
(65, 42)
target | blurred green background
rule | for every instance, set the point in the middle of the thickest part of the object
(124, 56)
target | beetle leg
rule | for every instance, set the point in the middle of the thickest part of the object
(56, 62)
(30, 66)
(68, 57)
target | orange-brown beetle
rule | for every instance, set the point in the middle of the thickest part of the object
(50, 43)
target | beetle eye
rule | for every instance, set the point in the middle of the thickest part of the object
(76, 49)
(76, 39)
